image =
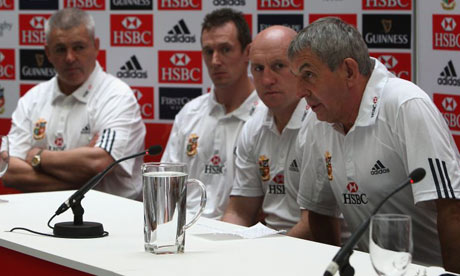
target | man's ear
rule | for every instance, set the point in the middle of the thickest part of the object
(246, 51)
(351, 68)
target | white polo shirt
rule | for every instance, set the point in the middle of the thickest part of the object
(204, 138)
(263, 158)
(398, 129)
(104, 105)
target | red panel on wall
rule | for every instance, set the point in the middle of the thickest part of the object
(157, 134)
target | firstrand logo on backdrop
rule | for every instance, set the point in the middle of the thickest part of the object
(144, 96)
(448, 105)
(179, 4)
(446, 33)
(85, 4)
(132, 69)
(7, 65)
(131, 30)
(38, 4)
(387, 4)
(6, 4)
(280, 4)
(32, 29)
(449, 76)
(294, 21)
(180, 67)
(34, 65)
(131, 4)
(387, 30)
(180, 33)
(172, 99)
(397, 63)
(229, 2)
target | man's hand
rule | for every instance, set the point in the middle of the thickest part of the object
(93, 141)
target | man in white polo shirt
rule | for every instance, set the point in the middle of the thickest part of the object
(205, 130)
(367, 132)
(265, 151)
(67, 129)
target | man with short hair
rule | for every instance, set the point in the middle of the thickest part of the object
(205, 130)
(367, 132)
(66, 130)
(265, 153)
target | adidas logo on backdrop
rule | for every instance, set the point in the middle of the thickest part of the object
(180, 33)
(449, 76)
(132, 69)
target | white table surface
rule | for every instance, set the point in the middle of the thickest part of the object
(122, 252)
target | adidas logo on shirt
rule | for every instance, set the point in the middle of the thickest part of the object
(379, 168)
(180, 33)
(449, 76)
(293, 167)
(86, 130)
(132, 69)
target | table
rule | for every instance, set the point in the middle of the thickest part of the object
(122, 252)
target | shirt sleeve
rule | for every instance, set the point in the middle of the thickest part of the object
(247, 176)
(315, 192)
(426, 142)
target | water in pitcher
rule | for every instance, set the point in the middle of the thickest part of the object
(165, 208)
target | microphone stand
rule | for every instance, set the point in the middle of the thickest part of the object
(87, 229)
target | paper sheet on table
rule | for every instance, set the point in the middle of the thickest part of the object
(257, 231)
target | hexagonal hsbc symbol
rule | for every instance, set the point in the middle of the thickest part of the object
(449, 104)
(448, 24)
(180, 59)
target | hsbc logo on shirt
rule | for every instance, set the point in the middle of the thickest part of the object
(6, 4)
(144, 96)
(397, 63)
(7, 65)
(180, 67)
(179, 4)
(32, 29)
(352, 197)
(280, 4)
(131, 30)
(387, 4)
(448, 104)
(349, 18)
(85, 4)
(446, 33)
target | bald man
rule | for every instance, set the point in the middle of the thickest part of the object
(265, 150)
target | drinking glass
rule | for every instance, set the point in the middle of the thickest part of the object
(4, 157)
(390, 244)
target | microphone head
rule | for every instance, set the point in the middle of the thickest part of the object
(154, 150)
(417, 175)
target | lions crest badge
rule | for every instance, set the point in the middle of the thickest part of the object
(328, 159)
(192, 144)
(39, 129)
(264, 167)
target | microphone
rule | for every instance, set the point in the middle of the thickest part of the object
(340, 260)
(78, 228)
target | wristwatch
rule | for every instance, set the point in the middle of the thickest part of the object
(36, 160)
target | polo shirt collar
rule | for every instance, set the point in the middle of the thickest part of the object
(83, 92)
(295, 121)
(243, 112)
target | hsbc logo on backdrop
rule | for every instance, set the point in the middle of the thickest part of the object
(131, 30)
(387, 4)
(280, 4)
(85, 4)
(180, 33)
(144, 96)
(180, 67)
(38, 4)
(6, 4)
(7, 64)
(172, 99)
(34, 65)
(397, 63)
(448, 105)
(293, 21)
(131, 5)
(446, 33)
(229, 2)
(32, 29)
(349, 18)
(179, 4)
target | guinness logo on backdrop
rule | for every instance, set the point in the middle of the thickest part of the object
(38, 4)
(387, 30)
(131, 5)
(34, 65)
(293, 21)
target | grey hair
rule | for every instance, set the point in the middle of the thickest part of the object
(67, 19)
(332, 40)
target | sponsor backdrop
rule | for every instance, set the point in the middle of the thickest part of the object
(438, 58)
(154, 45)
